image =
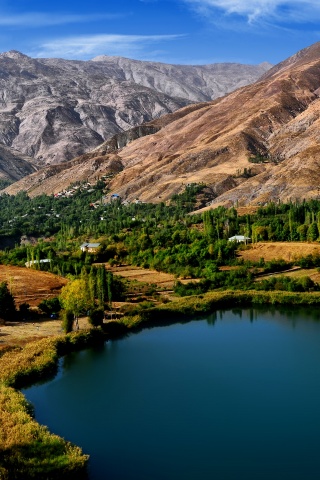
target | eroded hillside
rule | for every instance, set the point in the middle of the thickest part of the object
(258, 143)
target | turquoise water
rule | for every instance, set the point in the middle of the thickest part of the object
(230, 397)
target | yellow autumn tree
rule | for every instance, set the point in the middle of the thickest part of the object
(75, 297)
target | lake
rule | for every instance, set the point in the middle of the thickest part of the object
(232, 396)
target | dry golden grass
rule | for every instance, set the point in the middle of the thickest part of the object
(297, 273)
(31, 286)
(162, 280)
(288, 251)
(245, 210)
(20, 333)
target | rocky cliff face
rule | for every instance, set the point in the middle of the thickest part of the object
(258, 143)
(14, 165)
(54, 110)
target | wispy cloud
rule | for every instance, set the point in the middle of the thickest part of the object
(279, 11)
(37, 19)
(88, 46)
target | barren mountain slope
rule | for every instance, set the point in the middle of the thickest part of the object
(274, 119)
(104, 160)
(55, 109)
(194, 82)
(14, 165)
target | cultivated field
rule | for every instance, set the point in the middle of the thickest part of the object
(160, 279)
(288, 251)
(31, 286)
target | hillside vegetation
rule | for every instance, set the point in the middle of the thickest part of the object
(163, 237)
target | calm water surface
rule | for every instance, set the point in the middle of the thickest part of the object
(230, 397)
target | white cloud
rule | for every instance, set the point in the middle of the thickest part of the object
(88, 46)
(270, 10)
(37, 19)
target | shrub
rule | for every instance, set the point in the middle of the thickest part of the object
(50, 305)
(24, 311)
(96, 317)
(67, 321)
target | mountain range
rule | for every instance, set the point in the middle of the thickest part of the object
(53, 110)
(256, 144)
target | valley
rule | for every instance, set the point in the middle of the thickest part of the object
(145, 195)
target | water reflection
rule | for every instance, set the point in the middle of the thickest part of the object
(237, 401)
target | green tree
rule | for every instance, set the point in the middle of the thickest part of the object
(7, 305)
(313, 232)
(50, 305)
(67, 321)
(96, 317)
(75, 297)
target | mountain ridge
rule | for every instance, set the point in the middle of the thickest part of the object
(256, 144)
(54, 110)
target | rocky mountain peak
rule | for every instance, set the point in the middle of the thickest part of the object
(54, 110)
(14, 54)
(104, 58)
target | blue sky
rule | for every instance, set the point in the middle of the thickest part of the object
(171, 31)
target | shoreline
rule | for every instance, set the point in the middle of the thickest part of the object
(37, 360)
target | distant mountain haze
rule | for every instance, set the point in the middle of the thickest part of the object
(53, 110)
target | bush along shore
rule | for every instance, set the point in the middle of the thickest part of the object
(181, 309)
(27, 449)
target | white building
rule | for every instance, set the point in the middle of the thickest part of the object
(240, 239)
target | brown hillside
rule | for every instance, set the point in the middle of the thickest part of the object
(31, 286)
(276, 119)
(288, 251)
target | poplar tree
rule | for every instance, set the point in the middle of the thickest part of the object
(109, 287)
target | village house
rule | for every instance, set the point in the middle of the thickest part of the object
(240, 239)
(90, 247)
(115, 197)
(35, 262)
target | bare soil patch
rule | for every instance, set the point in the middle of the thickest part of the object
(288, 251)
(31, 286)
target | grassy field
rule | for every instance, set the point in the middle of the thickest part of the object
(162, 280)
(29, 285)
(295, 273)
(21, 333)
(288, 251)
